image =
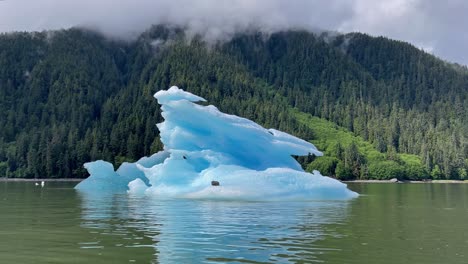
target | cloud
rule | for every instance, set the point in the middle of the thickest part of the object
(434, 25)
(128, 18)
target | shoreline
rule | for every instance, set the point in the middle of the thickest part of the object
(393, 181)
(2, 179)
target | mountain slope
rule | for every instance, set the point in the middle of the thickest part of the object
(73, 96)
(389, 92)
(348, 156)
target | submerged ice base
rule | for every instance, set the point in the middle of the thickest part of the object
(201, 145)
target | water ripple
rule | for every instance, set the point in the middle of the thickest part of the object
(194, 231)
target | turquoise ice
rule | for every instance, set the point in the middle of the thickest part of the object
(201, 145)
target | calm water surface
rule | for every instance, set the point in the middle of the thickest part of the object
(388, 223)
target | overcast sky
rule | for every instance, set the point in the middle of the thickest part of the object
(438, 26)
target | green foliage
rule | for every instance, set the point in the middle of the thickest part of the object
(344, 172)
(436, 173)
(463, 173)
(390, 93)
(326, 165)
(68, 97)
(414, 169)
(3, 168)
(354, 158)
(386, 170)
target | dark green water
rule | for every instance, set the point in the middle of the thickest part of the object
(388, 223)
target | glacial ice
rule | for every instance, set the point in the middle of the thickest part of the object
(201, 145)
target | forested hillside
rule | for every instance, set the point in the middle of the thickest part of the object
(72, 96)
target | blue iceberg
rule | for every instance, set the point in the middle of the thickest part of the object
(212, 155)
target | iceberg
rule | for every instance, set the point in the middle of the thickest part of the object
(212, 155)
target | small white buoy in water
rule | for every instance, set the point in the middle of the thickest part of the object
(42, 183)
(37, 184)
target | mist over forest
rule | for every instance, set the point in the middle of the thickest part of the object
(76, 95)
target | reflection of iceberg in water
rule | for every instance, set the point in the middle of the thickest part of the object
(196, 231)
(202, 145)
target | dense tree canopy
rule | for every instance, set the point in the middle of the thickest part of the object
(72, 96)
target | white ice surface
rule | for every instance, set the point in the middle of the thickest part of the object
(202, 144)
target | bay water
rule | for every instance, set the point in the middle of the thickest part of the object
(388, 223)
